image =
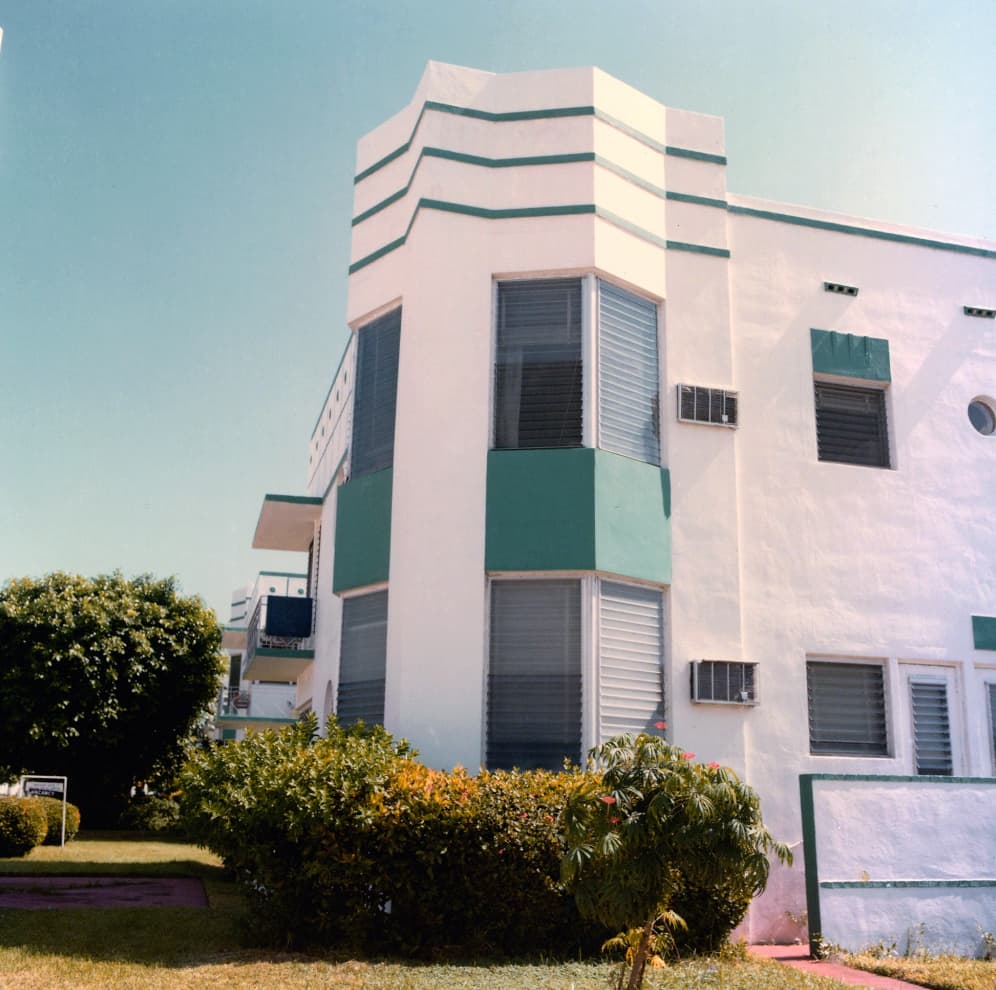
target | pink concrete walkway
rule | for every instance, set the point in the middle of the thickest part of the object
(39, 892)
(797, 956)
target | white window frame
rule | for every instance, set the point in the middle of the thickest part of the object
(935, 673)
(887, 690)
(590, 369)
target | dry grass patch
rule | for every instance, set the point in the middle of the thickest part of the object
(940, 972)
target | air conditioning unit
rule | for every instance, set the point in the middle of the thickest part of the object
(724, 682)
(714, 406)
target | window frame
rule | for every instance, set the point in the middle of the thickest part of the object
(853, 752)
(591, 428)
(346, 599)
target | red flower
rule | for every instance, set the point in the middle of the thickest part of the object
(660, 725)
(614, 820)
(714, 765)
(688, 756)
(608, 799)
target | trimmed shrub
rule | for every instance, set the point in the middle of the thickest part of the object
(23, 824)
(151, 813)
(53, 818)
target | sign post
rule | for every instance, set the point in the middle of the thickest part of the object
(54, 787)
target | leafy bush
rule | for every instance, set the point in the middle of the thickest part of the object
(350, 839)
(658, 835)
(23, 824)
(151, 813)
(53, 817)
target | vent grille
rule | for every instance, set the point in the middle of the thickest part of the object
(840, 288)
(986, 314)
(724, 682)
(714, 406)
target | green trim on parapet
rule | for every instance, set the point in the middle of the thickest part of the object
(293, 500)
(807, 807)
(915, 884)
(894, 778)
(843, 228)
(286, 574)
(850, 355)
(514, 213)
(984, 632)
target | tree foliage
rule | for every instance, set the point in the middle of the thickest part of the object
(655, 826)
(102, 680)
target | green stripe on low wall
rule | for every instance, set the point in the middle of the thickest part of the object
(850, 355)
(578, 510)
(363, 531)
(984, 632)
(886, 884)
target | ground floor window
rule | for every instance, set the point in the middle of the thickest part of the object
(571, 662)
(846, 709)
(363, 659)
(931, 726)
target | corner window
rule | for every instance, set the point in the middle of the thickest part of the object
(375, 402)
(851, 425)
(537, 690)
(363, 659)
(543, 390)
(846, 709)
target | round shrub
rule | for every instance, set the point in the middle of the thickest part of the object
(151, 813)
(53, 816)
(23, 824)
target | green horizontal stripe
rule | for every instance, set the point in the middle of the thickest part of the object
(286, 574)
(293, 499)
(283, 652)
(242, 719)
(570, 209)
(544, 114)
(898, 778)
(678, 197)
(843, 228)
(917, 884)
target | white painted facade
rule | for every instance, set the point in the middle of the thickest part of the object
(777, 557)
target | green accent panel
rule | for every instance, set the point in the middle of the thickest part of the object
(289, 574)
(283, 652)
(698, 249)
(363, 531)
(881, 235)
(632, 518)
(293, 500)
(577, 509)
(809, 856)
(227, 733)
(984, 632)
(850, 355)
(858, 884)
(540, 510)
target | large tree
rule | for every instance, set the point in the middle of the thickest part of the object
(103, 680)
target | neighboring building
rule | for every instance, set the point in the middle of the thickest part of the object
(610, 445)
(264, 645)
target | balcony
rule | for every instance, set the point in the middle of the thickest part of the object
(280, 639)
(258, 707)
(287, 522)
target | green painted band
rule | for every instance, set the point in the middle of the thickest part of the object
(697, 200)
(631, 228)
(698, 156)
(894, 778)
(286, 574)
(241, 601)
(293, 499)
(543, 114)
(807, 808)
(843, 228)
(335, 375)
(698, 249)
(984, 632)
(632, 177)
(915, 884)
(234, 628)
(286, 652)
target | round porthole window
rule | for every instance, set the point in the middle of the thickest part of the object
(982, 416)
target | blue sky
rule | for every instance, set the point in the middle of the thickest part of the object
(176, 190)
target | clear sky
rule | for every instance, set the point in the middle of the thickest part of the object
(176, 191)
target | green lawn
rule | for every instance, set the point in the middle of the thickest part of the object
(940, 972)
(176, 949)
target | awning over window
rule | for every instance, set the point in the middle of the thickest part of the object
(287, 522)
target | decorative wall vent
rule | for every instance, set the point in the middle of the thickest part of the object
(840, 288)
(986, 314)
(714, 406)
(724, 682)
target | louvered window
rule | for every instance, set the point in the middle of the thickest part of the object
(362, 659)
(846, 709)
(534, 677)
(628, 379)
(851, 425)
(630, 662)
(538, 365)
(376, 395)
(931, 728)
(715, 406)
(992, 719)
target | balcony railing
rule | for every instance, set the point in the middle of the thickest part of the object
(261, 701)
(281, 625)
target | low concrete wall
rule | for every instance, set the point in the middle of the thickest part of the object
(904, 860)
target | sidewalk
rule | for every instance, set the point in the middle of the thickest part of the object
(797, 956)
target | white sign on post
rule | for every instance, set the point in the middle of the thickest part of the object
(53, 787)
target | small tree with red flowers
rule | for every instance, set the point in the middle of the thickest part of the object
(653, 823)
